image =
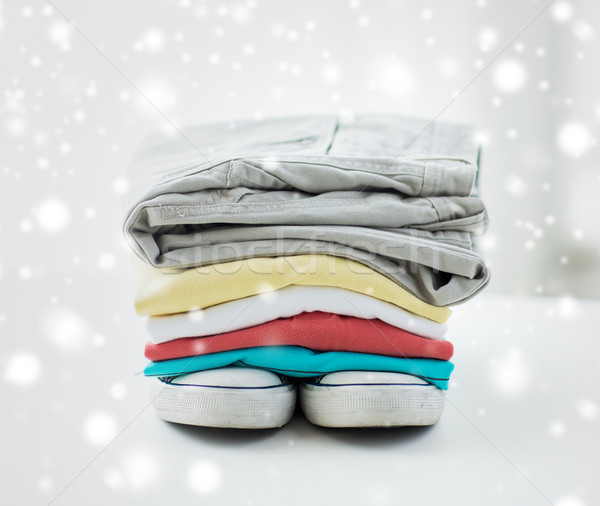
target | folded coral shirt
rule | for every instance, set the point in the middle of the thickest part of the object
(302, 363)
(317, 331)
(162, 291)
(284, 303)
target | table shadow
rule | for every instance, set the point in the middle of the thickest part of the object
(224, 436)
(299, 427)
(375, 436)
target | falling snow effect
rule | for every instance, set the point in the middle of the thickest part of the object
(509, 76)
(515, 185)
(393, 77)
(152, 40)
(488, 39)
(510, 374)
(562, 11)
(69, 124)
(100, 428)
(557, 429)
(118, 391)
(141, 469)
(120, 185)
(23, 369)
(569, 501)
(204, 477)
(106, 261)
(574, 138)
(587, 409)
(66, 329)
(52, 215)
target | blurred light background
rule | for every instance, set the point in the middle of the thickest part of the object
(71, 115)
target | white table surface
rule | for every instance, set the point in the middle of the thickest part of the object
(521, 425)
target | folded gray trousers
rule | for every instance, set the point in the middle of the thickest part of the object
(391, 192)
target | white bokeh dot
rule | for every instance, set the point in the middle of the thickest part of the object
(60, 34)
(449, 67)
(120, 185)
(52, 215)
(100, 428)
(482, 137)
(568, 501)
(25, 272)
(98, 340)
(118, 391)
(23, 369)
(91, 89)
(587, 409)
(141, 469)
(153, 39)
(157, 92)
(394, 77)
(331, 73)
(106, 261)
(16, 125)
(45, 483)
(427, 14)
(562, 11)
(489, 243)
(583, 31)
(574, 138)
(487, 38)
(510, 375)
(509, 76)
(26, 226)
(240, 13)
(567, 307)
(204, 477)
(114, 479)
(515, 185)
(557, 429)
(66, 329)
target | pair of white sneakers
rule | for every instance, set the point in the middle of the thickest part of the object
(245, 398)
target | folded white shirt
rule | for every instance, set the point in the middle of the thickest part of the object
(284, 303)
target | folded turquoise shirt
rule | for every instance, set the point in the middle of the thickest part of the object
(301, 363)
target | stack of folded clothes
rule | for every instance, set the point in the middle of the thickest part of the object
(304, 253)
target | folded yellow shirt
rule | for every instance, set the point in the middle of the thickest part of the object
(161, 292)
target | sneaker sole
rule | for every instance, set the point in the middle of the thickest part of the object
(227, 407)
(371, 405)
